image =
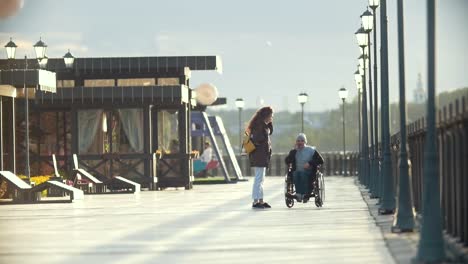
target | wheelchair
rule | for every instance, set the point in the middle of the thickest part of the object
(317, 189)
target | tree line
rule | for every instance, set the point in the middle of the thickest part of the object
(325, 129)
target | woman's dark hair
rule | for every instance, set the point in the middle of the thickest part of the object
(260, 116)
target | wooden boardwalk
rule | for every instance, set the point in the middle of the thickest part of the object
(209, 224)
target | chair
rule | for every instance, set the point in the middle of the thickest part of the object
(57, 175)
(116, 184)
(24, 193)
(203, 172)
(20, 188)
(91, 183)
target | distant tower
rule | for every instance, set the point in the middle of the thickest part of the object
(419, 93)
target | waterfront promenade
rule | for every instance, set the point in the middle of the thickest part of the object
(209, 224)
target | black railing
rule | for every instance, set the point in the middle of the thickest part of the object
(452, 150)
(333, 165)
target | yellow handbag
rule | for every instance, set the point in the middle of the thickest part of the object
(247, 143)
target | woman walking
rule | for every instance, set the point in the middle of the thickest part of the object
(260, 128)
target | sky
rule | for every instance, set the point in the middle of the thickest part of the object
(271, 50)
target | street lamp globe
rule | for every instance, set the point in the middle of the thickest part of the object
(40, 49)
(302, 98)
(367, 21)
(68, 59)
(10, 49)
(343, 93)
(240, 103)
(361, 37)
(374, 3)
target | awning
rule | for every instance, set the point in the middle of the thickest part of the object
(44, 80)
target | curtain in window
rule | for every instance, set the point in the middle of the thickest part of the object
(88, 124)
(132, 123)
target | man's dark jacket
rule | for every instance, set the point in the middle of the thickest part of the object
(314, 162)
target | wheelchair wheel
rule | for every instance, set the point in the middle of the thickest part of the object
(289, 202)
(320, 195)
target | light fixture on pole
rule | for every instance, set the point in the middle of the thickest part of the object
(11, 49)
(368, 25)
(240, 105)
(362, 39)
(40, 48)
(431, 247)
(374, 4)
(404, 217)
(343, 93)
(358, 80)
(302, 99)
(387, 199)
(68, 59)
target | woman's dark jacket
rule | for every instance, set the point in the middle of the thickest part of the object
(260, 136)
(314, 162)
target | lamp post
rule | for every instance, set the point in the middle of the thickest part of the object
(302, 99)
(40, 48)
(358, 80)
(404, 220)
(431, 243)
(343, 93)
(387, 202)
(367, 24)
(11, 51)
(362, 40)
(374, 4)
(240, 104)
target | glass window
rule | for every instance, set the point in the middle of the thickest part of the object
(136, 82)
(65, 83)
(127, 131)
(99, 83)
(90, 132)
(168, 130)
(168, 81)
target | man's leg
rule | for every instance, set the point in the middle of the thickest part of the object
(299, 182)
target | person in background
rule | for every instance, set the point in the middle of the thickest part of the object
(260, 128)
(200, 164)
(304, 160)
(207, 154)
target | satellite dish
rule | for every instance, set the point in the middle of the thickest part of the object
(206, 93)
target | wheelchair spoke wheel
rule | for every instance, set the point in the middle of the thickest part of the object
(320, 196)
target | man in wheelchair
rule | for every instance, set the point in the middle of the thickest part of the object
(303, 162)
